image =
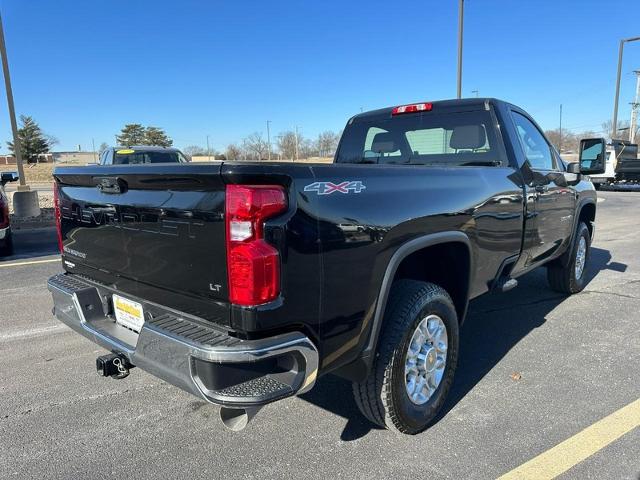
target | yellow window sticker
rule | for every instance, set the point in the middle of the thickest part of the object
(125, 151)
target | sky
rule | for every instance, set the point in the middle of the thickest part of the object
(83, 69)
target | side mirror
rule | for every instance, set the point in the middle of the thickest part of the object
(573, 167)
(592, 155)
(7, 177)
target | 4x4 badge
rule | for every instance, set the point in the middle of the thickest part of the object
(327, 188)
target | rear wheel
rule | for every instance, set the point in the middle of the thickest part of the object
(570, 277)
(7, 248)
(416, 359)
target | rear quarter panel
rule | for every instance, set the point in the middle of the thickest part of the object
(359, 232)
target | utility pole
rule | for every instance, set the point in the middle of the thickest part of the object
(296, 143)
(460, 29)
(268, 141)
(560, 141)
(12, 112)
(93, 146)
(208, 150)
(633, 126)
(614, 127)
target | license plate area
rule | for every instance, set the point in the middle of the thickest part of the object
(128, 313)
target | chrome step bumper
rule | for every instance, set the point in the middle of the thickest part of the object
(188, 353)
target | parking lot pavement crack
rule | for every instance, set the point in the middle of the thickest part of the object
(614, 294)
(81, 399)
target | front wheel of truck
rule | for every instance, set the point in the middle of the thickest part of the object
(571, 277)
(416, 359)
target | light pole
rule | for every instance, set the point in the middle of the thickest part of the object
(208, 150)
(460, 29)
(25, 200)
(560, 141)
(615, 103)
(635, 106)
(12, 111)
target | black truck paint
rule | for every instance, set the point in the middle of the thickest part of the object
(350, 230)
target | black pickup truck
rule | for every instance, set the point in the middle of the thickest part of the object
(242, 283)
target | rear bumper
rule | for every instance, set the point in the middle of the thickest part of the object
(189, 353)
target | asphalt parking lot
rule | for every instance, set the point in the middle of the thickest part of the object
(536, 369)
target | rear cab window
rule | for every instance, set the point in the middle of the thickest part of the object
(437, 138)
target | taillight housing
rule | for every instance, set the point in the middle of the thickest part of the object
(253, 265)
(57, 214)
(4, 213)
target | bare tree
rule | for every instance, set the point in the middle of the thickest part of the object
(607, 129)
(327, 143)
(307, 148)
(567, 142)
(194, 151)
(255, 146)
(287, 144)
(233, 152)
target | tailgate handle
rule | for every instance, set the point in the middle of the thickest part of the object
(111, 184)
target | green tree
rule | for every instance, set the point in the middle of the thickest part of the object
(131, 134)
(33, 141)
(157, 137)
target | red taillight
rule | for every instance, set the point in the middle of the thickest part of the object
(416, 107)
(56, 211)
(253, 265)
(4, 214)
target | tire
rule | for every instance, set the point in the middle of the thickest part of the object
(7, 248)
(563, 276)
(383, 396)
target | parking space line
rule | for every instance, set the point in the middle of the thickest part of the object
(32, 332)
(32, 262)
(582, 445)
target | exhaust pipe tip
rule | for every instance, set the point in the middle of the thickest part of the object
(236, 419)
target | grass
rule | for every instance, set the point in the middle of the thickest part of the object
(34, 173)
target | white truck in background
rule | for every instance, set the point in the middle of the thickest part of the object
(622, 167)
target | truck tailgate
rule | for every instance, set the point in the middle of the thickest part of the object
(155, 231)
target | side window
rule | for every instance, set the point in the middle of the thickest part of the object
(536, 149)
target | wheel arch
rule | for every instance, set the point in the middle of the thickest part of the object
(585, 211)
(457, 241)
(587, 214)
